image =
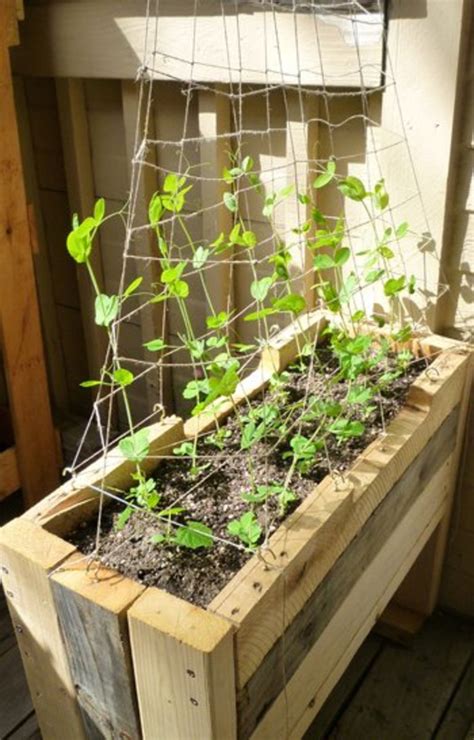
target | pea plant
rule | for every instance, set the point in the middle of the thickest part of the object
(295, 430)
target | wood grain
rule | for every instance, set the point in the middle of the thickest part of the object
(92, 604)
(184, 669)
(28, 555)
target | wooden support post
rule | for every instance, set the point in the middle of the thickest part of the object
(81, 191)
(301, 134)
(214, 122)
(28, 554)
(420, 589)
(9, 473)
(91, 602)
(183, 660)
(20, 330)
(144, 184)
(49, 319)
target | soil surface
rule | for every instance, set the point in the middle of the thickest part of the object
(213, 495)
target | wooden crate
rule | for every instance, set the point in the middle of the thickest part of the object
(106, 655)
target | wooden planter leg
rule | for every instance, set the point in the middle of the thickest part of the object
(27, 556)
(183, 660)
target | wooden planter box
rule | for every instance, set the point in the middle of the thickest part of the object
(107, 657)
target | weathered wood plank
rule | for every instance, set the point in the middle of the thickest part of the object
(9, 473)
(28, 730)
(22, 347)
(407, 691)
(458, 718)
(183, 660)
(92, 603)
(28, 554)
(295, 708)
(220, 44)
(286, 655)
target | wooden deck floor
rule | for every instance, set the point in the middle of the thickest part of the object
(422, 691)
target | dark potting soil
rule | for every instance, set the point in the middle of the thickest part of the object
(213, 496)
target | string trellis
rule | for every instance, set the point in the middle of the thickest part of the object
(270, 202)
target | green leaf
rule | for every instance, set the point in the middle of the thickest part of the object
(200, 257)
(256, 315)
(89, 383)
(346, 429)
(218, 321)
(180, 289)
(394, 286)
(123, 377)
(411, 284)
(353, 188)
(348, 289)
(359, 394)
(328, 292)
(373, 276)
(230, 202)
(171, 274)
(132, 287)
(155, 209)
(380, 195)
(194, 535)
(326, 176)
(155, 345)
(259, 288)
(341, 256)
(249, 239)
(247, 529)
(136, 446)
(79, 241)
(323, 262)
(123, 518)
(99, 211)
(385, 252)
(106, 309)
(401, 230)
(292, 302)
(247, 164)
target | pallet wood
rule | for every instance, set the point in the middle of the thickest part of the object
(15, 699)
(345, 551)
(9, 473)
(22, 348)
(457, 721)
(189, 652)
(28, 555)
(222, 46)
(92, 601)
(143, 185)
(82, 196)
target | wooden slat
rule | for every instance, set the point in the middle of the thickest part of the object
(219, 44)
(82, 196)
(92, 602)
(28, 554)
(55, 363)
(184, 669)
(22, 347)
(301, 142)
(58, 509)
(9, 474)
(315, 535)
(214, 122)
(143, 185)
(283, 660)
(420, 589)
(458, 718)
(323, 665)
